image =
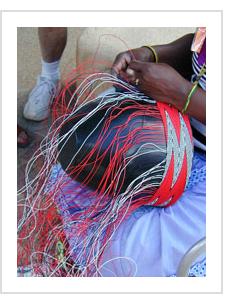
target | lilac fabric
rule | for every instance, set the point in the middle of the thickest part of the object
(202, 56)
(152, 241)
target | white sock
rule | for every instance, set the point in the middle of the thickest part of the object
(50, 69)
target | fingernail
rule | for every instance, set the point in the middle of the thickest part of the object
(130, 72)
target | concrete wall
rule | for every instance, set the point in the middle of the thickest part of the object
(105, 43)
(29, 56)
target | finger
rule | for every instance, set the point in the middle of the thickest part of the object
(121, 63)
(129, 75)
(130, 72)
(133, 75)
(137, 66)
(128, 78)
(124, 76)
(113, 72)
(133, 78)
(119, 66)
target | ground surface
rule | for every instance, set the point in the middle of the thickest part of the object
(36, 130)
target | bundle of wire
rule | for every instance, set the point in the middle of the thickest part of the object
(104, 156)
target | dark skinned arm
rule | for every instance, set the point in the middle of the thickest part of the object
(177, 54)
(169, 80)
(163, 83)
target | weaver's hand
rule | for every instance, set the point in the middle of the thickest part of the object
(159, 81)
(123, 59)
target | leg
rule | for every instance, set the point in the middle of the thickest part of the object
(52, 43)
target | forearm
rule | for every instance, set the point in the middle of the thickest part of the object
(197, 104)
(177, 54)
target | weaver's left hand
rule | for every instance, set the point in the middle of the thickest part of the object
(158, 81)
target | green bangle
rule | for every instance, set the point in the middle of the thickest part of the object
(156, 57)
(193, 90)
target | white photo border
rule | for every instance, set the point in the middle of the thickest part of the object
(212, 283)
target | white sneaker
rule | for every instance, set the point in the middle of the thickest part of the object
(40, 99)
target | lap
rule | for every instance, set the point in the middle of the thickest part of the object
(152, 241)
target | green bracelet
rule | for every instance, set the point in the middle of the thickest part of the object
(156, 57)
(194, 88)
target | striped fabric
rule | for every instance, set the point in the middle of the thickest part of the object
(199, 129)
(196, 70)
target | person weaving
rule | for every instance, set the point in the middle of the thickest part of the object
(112, 162)
(173, 73)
